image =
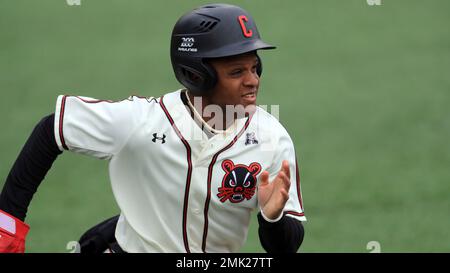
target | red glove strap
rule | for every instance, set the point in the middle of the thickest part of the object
(12, 233)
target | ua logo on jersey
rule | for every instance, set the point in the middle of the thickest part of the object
(239, 182)
(156, 137)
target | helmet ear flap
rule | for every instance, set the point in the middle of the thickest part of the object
(197, 82)
(211, 76)
(191, 76)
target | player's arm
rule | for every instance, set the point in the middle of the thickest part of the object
(282, 236)
(278, 233)
(28, 171)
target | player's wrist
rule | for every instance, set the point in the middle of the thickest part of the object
(269, 219)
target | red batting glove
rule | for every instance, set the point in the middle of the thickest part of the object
(12, 233)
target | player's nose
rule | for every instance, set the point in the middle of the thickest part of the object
(251, 79)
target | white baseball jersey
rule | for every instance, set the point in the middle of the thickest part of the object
(178, 189)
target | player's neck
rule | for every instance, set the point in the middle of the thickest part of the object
(199, 104)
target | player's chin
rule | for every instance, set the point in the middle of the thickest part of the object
(247, 109)
(249, 103)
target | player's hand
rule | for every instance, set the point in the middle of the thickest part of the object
(273, 196)
(12, 234)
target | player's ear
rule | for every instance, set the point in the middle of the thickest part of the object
(255, 168)
(227, 165)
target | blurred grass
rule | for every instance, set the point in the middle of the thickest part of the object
(363, 91)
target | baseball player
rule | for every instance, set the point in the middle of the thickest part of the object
(185, 180)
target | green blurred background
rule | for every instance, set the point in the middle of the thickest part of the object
(363, 91)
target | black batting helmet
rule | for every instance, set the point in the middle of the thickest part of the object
(211, 31)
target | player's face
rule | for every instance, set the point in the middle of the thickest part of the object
(238, 81)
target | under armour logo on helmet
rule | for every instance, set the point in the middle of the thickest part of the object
(156, 137)
(247, 32)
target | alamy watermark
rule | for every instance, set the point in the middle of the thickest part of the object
(73, 2)
(73, 247)
(373, 2)
(226, 121)
(374, 247)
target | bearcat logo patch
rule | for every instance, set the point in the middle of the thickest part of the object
(239, 182)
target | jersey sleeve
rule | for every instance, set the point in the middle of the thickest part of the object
(96, 128)
(285, 151)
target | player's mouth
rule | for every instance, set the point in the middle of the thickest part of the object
(250, 97)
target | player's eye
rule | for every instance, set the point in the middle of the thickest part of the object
(247, 184)
(235, 72)
(232, 183)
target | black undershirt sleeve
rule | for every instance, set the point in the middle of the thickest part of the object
(29, 169)
(283, 236)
